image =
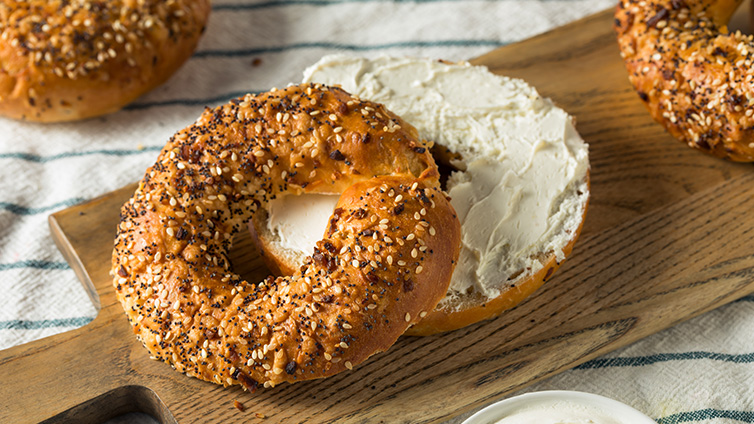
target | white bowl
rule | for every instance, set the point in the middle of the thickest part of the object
(557, 401)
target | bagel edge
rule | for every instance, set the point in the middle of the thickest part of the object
(60, 61)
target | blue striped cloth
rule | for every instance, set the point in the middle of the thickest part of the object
(700, 371)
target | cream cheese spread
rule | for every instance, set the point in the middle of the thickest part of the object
(562, 412)
(300, 221)
(520, 189)
(558, 407)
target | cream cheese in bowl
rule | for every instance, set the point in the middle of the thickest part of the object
(559, 407)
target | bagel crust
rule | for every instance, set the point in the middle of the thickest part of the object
(694, 77)
(385, 259)
(67, 60)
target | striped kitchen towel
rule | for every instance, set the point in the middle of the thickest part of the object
(700, 371)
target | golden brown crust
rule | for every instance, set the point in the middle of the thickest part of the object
(381, 263)
(68, 60)
(693, 76)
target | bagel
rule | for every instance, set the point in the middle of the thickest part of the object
(385, 259)
(67, 60)
(520, 179)
(693, 76)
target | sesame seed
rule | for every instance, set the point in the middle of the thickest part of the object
(348, 365)
(408, 317)
(419, 269)
(344, 345)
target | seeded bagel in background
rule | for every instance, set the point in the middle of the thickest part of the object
(519, 179)
(693, 74)
(70, 60)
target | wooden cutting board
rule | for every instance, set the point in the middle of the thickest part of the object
(667, 237)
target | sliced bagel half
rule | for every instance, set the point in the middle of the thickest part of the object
(519, 179)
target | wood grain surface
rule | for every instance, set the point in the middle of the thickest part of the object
(667, 237)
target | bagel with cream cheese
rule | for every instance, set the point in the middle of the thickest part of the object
(67, 60)
(383, 260)
(520, 179)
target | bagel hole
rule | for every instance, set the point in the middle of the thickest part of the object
(246, 260)
(743, 18)
(444, 157)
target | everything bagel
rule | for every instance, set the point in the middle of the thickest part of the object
(66, 60)
(694, 77)
(385, 259)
